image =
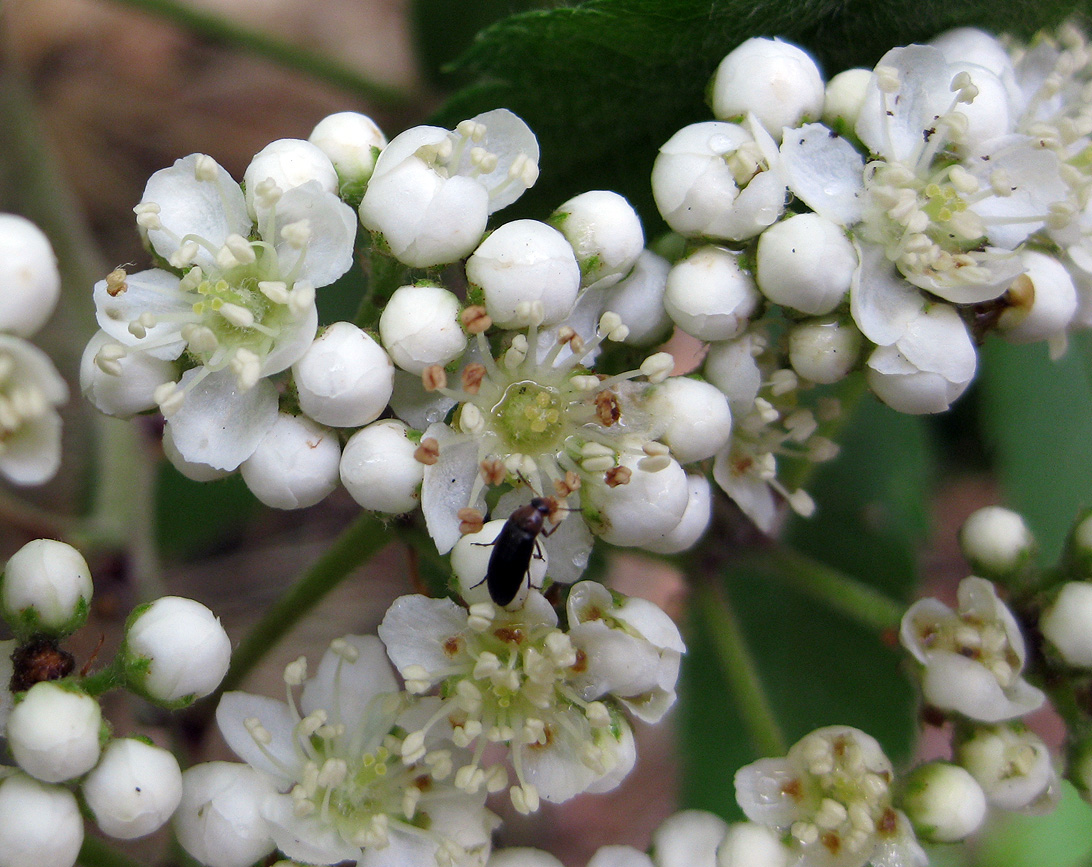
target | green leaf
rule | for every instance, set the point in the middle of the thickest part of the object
(818, 667)
(604, 83)
(194, 517)
(1037, 422)
(1060, 839)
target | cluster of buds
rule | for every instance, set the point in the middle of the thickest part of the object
(174, 651)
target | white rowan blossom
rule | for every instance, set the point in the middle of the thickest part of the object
(46, 588)
(29, 275)
(514, 678)
(688, 839)
(40, 824)
(433, 190)
(1013, 766)
(350, 784)
(944, 802)
(53, 732)
(972, 657)
(236, 306)
(31, 389)
(832, 798)
(134, 789)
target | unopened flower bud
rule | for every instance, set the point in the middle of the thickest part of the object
(697, 419)
(748, 844)
(944, 802)
(774, 80)
(40, 825)
(420, 327)
(295, 465)
(134, 789)
(470, 560)
(46, 588)
(845, 95)
(824, 350)
(219, 821)
(605, 233)
(175, 651)
(29, 275)
(709, 295)
(996, 542)
(639, 300)
(380, 470)
(288, 163)
(805, 262)
(1067, 623)
(345, 378)
(53, 733)
(352, 141)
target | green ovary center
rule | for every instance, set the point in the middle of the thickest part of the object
(218, 305)
(530, 417)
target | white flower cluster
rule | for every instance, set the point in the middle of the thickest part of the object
(358, 769)
(31, 389)
(175, 651)
(895, 215)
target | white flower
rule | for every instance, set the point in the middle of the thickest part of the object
(379, 468)
(134, 789)
(719, 180)
(53, 732)
(688, 839)
(775, 80)
(31, 389)
(639, 300)
(619, 856)
(972, 657)
(1041, 303)
(352, 141)
(281, 166)
(824, 350)
(353, 785)
(295, 465)
(119, 383)
(832, 796)
(28, 273)
(176, 650)
(945, 803)
(344, 379)
(747, 844)
(605, 233)
(219, 820)
(996, 541)
(805, 262)
(699, 420)
(40, 825)
(1067, 623)
(46, 587)
(710, 295)
(512, 678)
(242, 310)
(1013, 766)
(420, 326)
(432, 190)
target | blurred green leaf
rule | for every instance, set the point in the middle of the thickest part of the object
(1037, 422)
(604, 83)
(194, 517)
(1061, 839)
(820, 668)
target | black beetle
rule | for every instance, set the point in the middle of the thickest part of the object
(514, 547)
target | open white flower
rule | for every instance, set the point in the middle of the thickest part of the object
(243, 308)
(31, 389)
(515, 679)
(972, 657)
(832, 796)
(349, 790)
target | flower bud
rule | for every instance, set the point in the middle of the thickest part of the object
(709, 295)
(219, 820)
(420, 327)
(719, 180)
(697, 419)
(619, 856)
(996, 542)
(1067, 623)
(352, 141)
(46, 588)
(824, 350)
(748, 844)
(379, 468)
(605, 233)
(845, 94)
(908, 387)
(1013, 766)
(522, 856)
(295, 464)
(944, 802)
(644, 510)
(29, 275)
(288, 163)
(639, 300)
(134, 789)
(688, 838)
(731, 366)
(345, 378)
(53, 733)
(776, 81)
(40, 825)
(131, 389)
(175, 651)
(805, 262)
(1043, 301)
(470, 560)
(694, 521)
(525, 263)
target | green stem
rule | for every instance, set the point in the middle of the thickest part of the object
(358, 542)
(840, 591)
(96, 852)
(111, 677)
(740, 671)
(315, 64)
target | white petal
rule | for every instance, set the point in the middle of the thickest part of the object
(881, 301)
(619, 856)
(753, 496)
(954, 682)
(344, 689)
(825, 172)
(937, 341)
(416, 630)
(219, 425)
(689, 839)
(329, 253)
(651, 622)
(211, 210)
(922, 615)
(447, 485)
(278, 758)
(761, 792)
(507, 136)
(32, 455)
(293, 341)
(155, 292)
(310, 840)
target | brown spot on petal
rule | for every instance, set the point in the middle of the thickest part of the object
(509, 634)
(831, 842)
(453, 645)
(793, 789)
(888, 822)
(581, 663)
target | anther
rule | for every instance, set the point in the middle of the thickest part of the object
(428, 452)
